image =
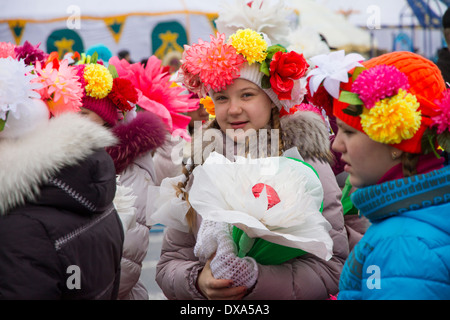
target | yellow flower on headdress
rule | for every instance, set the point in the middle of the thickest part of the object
(250, 44)
(99, 81)
(393, 119)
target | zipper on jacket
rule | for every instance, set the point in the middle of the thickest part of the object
(60, 242)
(73, 194)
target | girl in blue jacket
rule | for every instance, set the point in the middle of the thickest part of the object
(394, 116)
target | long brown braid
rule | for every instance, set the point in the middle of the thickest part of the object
(191, 216)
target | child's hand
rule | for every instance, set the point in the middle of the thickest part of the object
(218, 289)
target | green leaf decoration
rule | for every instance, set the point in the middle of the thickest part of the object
(2, 124)
(350, 98)
(265, 82)
(428, 141)
(353, 110)
(274, 49)
(94, 58)
(112, 69)
(357, 72)
(264, 68)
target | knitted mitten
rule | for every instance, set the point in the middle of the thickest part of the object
(216, 237)
(206, 243)
(227, 265)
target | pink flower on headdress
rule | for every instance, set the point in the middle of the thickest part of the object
(156, 94)
(7, 50)
(215, 63)
(378, 83)
(442, 121)
(61, 89)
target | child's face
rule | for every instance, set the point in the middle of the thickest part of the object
(92, 115)
(242, 105)
(367, 160)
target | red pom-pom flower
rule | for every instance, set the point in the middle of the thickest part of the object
(123, 92)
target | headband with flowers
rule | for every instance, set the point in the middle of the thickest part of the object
(216, 64)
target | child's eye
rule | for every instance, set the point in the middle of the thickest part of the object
(220, 98)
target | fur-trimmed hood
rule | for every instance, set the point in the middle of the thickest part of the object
(305, 130)
(144, 133)
(29, 161)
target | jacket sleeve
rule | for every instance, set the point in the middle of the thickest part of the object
(177, 269)
(29, 267)
(390, 270)
(310, 277)
(136, 241)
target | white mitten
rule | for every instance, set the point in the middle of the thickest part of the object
(227, 265)
(206, 243)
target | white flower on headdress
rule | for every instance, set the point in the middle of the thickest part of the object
(261, 16)
(281, 205)
(16, 89)
(332, 69)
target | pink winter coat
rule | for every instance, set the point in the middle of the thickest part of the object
(306, 277)
(134, 164)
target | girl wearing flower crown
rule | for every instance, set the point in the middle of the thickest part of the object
(393, 117)
(251, 83)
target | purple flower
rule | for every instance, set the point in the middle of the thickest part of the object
(378, 83)
(30, 54)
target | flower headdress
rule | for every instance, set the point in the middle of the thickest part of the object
(248, 54)
(156, 93)
(104, 92)
(389, 113)
(33, 86)
(393, 103)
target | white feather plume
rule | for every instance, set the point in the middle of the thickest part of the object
(262, 16)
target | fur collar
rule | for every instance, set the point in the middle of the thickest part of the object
(29, 161)
(144, 133)
(304, 130)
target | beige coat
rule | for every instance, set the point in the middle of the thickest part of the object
(306, 277)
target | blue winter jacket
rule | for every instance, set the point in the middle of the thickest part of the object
(405, 253)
